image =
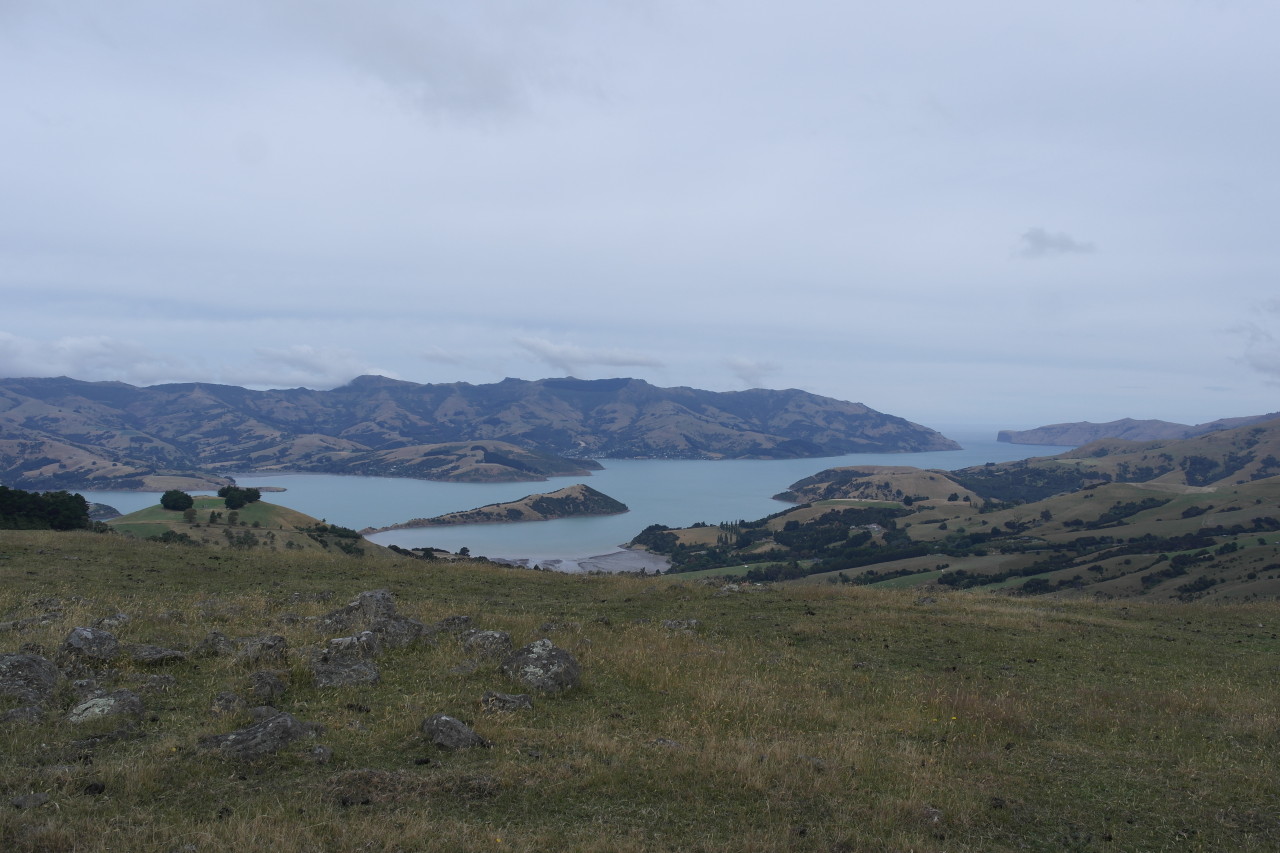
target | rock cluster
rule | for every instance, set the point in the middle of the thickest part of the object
(79, 680)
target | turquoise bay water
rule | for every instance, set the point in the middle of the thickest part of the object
(676, 493)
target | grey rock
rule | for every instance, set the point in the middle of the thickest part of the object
(30, 714)
(367, 607)
(494, 701)
(267, 649)
(215, 644)
(266, 685)
(450, 733)
(397, 632)
(29, 801)
(157, 683)
(148, 655)
(87, 688)
(364, 645)
(320, 754)
(115, 620)
(681, 624)
(90, 643)
(487, 644)
(451, 625)
(343, 671)
(120, 702)
(260, 739)
(27, 678)
(374, 611)
(226, 703)
(543, 667)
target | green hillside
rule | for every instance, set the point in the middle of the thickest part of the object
(1187, 520)
(256, 525)
(709, 717)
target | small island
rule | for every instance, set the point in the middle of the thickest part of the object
(570, 502)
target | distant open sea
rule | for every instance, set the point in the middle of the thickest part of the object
(676, 493)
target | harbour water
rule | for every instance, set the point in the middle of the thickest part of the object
(676, 493)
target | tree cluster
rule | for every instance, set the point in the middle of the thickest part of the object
(235, 497)
(176, 500)
(21, 510)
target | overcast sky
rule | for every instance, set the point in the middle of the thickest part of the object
(1003, 212)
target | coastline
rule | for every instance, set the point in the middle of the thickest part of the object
(623, 560)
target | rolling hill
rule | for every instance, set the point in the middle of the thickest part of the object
(569, 502)
(258, 526)
(1185, 520)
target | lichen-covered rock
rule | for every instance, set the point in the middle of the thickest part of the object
(543, 667)
(90, 643)
(494, 702)
(487, 644)
(264, 738)
(120, 702)
(450, 733)
(27, 678)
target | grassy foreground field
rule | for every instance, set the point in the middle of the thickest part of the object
(794, 717)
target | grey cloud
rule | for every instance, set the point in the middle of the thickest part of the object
(1039, 243)
(752, 373)
(304, 365)
(571, 359)
(1261, 351)
(94, 357)
(453, 58)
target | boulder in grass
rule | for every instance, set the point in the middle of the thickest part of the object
(495, 702)
(90, 644)
(260, 739)
(451, 733)
(215, 644)
(268, 649)
(27, 678)
(487, 644)
(148, 655)
(543, 667)
(374, 611)
(328, 670)
(121, 702)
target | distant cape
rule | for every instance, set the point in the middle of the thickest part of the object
(1083, 432)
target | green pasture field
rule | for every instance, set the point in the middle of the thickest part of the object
(809, 717)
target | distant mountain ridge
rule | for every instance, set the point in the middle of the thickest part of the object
(1083, 432)
(66, 433)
